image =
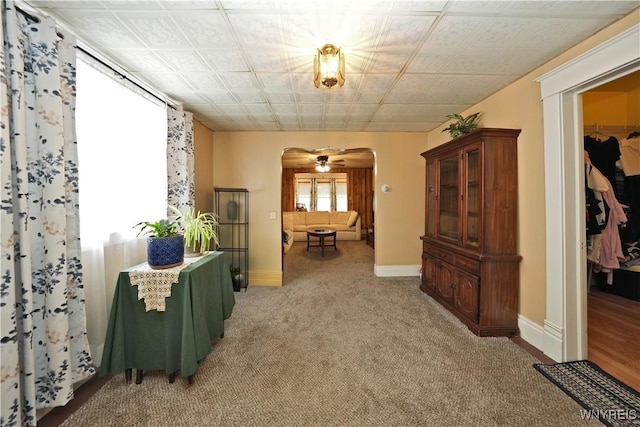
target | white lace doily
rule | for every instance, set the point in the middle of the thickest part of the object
(154, 286)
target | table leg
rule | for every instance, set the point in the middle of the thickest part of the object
(308, 242)
(321, 245)
(139, 375)
(127, 376)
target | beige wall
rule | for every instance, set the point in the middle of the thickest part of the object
(604, 108)
(519, 106)
(252, 160)
(633, 107)
(612, 108)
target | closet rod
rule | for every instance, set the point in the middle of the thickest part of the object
(610, 128)
(102, 62)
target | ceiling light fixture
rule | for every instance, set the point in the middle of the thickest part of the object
(328, 66)
(322, 165)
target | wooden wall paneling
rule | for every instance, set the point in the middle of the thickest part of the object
(360, 188)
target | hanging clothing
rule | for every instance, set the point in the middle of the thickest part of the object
(604, 155)
(609, 249)
(630, 156)
(630, 164)
(597, 211)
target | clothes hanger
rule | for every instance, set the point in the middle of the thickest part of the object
(597, 135)
(634, 134)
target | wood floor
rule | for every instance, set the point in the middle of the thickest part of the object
(613, 328)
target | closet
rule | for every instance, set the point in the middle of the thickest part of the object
(611, 115)
(612, 198)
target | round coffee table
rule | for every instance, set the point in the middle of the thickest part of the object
(321, 233)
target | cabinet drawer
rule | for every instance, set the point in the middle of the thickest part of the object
(467, 264)
(440, 253)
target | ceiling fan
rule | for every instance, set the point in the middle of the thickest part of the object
(323, 164)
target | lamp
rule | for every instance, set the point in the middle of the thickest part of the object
(328, 66)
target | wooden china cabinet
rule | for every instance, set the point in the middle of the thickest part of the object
(470, 262)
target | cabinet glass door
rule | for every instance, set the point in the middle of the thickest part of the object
(473, 197)
(448, 196)
(430, 210)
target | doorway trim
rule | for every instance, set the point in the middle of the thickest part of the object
(565, 325)
(315, 151)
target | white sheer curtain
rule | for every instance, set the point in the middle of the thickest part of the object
(123, 180)
(325, 193)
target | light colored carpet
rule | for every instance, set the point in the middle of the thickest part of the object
(338, 346)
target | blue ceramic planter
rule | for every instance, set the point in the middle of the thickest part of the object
(165, 252)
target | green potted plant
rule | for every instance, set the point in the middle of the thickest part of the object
(165, 244)
(199, 228)
(462, 125)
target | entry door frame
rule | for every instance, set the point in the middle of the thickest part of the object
(565, 325)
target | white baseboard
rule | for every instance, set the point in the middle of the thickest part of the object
(547, 339)
(531, 332)
(553, 336)
(396, 270)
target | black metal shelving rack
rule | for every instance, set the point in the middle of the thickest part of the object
(232, 210)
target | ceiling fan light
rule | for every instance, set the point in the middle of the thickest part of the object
(323, 168)
(328, 67)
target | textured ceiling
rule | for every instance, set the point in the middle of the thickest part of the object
(247, 65)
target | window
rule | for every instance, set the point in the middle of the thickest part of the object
(322, 192)
(122, 139)
(122, 156)
(303, 195)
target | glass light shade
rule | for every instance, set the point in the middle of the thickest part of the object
(328, 67)
(323, 168)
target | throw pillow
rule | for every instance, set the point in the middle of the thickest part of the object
(352, 219)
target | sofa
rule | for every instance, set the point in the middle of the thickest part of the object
(295, 224)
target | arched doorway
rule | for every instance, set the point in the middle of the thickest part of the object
(357, 165)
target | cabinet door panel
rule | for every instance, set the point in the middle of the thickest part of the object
(431, 199)
(472, 213)
(449, 197)
(466, 298)
(444, 282)
(428, 271)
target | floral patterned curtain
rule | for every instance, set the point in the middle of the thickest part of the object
(334, 195)
(44, 345)
(180, 151)
(314, 195)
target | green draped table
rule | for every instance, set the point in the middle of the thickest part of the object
(176, 339)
